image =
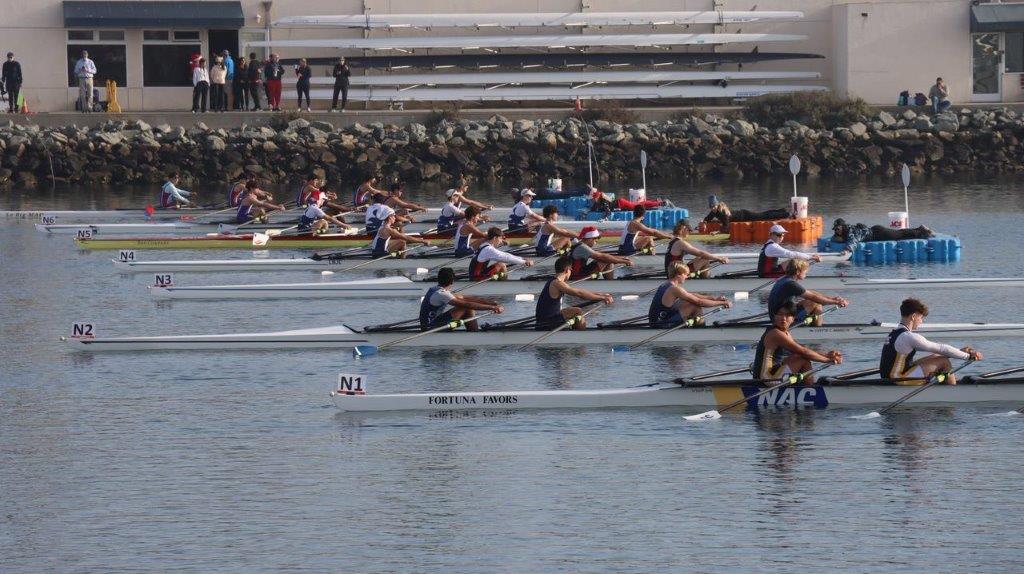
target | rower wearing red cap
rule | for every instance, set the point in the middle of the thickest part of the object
(586, 260)
(769, 262)
(490, 261)
(636, 236)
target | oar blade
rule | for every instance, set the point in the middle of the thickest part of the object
(260, 239)
(422, 270)
(871, 415)
(365, 350)
(621, 349)
(705, 416)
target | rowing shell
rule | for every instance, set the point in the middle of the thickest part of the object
(405, 287)
(162, 214)
(341, 336)
(673, 395)
(410, 263)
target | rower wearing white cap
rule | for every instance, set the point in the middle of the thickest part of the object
(521, 215)
(451, 211)
(468, 236)
(672, 304)
(440, 306)
(377, 212)
(679, 247)
(314, 219)
(490, 261)
(897, 361)
(550, 237)
(636, 236)
(549, 313)
(769, 262)
(389, 240)
(586, 260)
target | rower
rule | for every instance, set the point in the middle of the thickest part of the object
(550, 313)
(636, 236)
(171, 196)
(679, 247)
(490, 261)
(551, 238)
(468, 236)
(439, 297)
(463, 190)
(672, 304)
(252, 208)
(897, 361)
(808, 303)
(451, 211)
(377, 213)
(365, 191)
(389, 240)
(521, 217)
(315, 220)
(236, 192)
(587, 261)
(312, 189)
(771, 360)
(400, 205)
(768, 261)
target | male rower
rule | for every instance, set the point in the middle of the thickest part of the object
(365, 192)
(679, 247)
(808, 303)
(672, 304)
(312, 190)
(438, 298)
(897, 361)
(769, 262)
(550, 313)
(468, 236)
(173, 197)
(315, 220)
(236, 192)
(451, 211)
(252, 207)
(522, 217)
(463, 191)
(586, 260)
(490, 261)
(770, 358)
(377, 212)
(400, 205)
(551, 238)
(636, 236)
(389, 240)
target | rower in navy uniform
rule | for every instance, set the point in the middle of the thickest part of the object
(451, 212)
(897, 361)
(389, 240)
(550, 313)
(769, 261)
(672, 304)
(252, 208)
(551, 238)
(779, 354)
(586, 260)
(366, 190)
(171, 196)
(441, 306)
(679, 247)
(314, 188)
(522, 217)
(490, 261)
(377, 212)
(468, 236)
(315, 219)
(808, 303)
(636, 236)
(402, 206)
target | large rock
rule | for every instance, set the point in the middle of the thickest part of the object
(215, 143)
(909, 115)
(886, 119)
(741, 128)
(859, 129)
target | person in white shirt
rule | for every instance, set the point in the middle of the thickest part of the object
(490, 261)
(897, 361)
(521, 216)
(171, 196)
(85, 70)
(440, 306)
(200, 86)
(769, 261)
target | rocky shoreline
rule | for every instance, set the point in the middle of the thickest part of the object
(702, 145)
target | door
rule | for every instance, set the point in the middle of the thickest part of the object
(220, 40)
(987, 67)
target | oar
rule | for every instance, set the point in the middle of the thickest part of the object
(740, 295)
(261, 239)
(742, 319)
(718, 374)
(855, 375)
(369, 261)
(685, 324)
(808, 320)
(564, 325)
(495, 277)
(629, 321)
(366, 350)
(999, 373)
(790, 379)
(932, 380)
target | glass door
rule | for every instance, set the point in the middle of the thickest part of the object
(987, 64)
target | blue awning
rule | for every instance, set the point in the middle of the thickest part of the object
(203, 15)
(997, 18)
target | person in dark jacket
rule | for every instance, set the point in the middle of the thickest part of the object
(272, 74)
(10, 81)
(255, 80)
(304, 73)
(341, 80)
(240, 85)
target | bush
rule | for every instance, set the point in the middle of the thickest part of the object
(609, 112)
(821, 110)
(436, 117)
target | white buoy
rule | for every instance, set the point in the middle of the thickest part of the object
(522, 297)
(327, 272)
(630, 297)
(741, 295)
(422, 270)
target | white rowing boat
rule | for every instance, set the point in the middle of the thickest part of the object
(410, 263)
(673, 395)
(88, 215)
(403, 287)
(342, 336)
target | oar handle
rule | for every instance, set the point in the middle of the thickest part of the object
(685, 324)
(932, 380)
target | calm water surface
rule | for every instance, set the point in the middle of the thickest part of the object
(238, 462)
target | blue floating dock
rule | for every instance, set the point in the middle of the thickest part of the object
(939, 249)
(575, 208)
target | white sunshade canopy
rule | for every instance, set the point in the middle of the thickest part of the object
(537, 20)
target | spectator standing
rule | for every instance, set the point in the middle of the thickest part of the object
(255, 80)
(273, 72)
(341, 80)
(241, 85)
(85, 71)
(10, 81)
(218, 77)
(229, 85)
(939, 96)
(200, 85)
(304, 73)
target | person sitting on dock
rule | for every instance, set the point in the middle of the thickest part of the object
(440, 306)
(636, 236)
(468, 236)
(389, 240)
(587, 261)
(721, 213)
(252, 207)
(770, 358)
(490, 261)
(854, 235)
(522, 217)
(769, 262)
(315, 220)
(897, 361)
(679, 247)
(551, 238)
(672, 304)
(788, 289)
(549, 313)
(171, 196)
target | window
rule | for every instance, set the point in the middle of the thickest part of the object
(1014, 51)
(167, 65)
(109, 59)
(257, 35)
(183, 36)
(148, 35)
(79, 35)
(111, 35)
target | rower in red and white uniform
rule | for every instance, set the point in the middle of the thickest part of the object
(551, 238)
(549, 312)
(897, 361)
(586, 260)
(171, 196)
(362, 195)
(468, 236)
(390, 240)
(315, 220)
(252, 208)
(236, 192)
(680, 247)
(672, 304)
(769, 262)
(312, 189)
(779, 354)
(522, 217)
(490, 261)
(440, 306)
(636, 236)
